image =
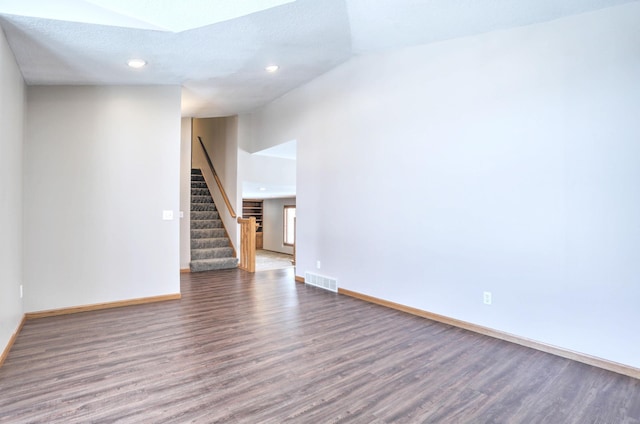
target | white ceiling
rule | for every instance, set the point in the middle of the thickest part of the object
(287, 150)
(217, 49)
(257, 190)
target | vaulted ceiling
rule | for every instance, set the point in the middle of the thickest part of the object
(217, 50)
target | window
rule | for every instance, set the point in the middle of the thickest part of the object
(289, 225)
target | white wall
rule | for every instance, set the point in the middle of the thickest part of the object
(266, 170)
(12, 108)
(273, 222)
(506, 162)
(256, 170)
(246, 127)
(101, 164)
(185, 193)
(220, 137)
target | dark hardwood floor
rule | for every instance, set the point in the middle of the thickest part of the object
(242, 348)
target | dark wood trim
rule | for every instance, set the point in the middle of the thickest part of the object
(299, 279)
(523, 341)
(12, 340)
(255, 208)
(98, 306)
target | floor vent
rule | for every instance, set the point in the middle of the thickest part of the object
(326, 283)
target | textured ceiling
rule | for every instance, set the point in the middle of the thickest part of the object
(157, 15)
(220, 62)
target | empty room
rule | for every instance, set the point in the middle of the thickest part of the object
(455, 182)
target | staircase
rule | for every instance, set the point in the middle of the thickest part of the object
(210, 246)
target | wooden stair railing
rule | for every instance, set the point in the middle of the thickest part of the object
(247, 226)
(218, 182)
(247, 244)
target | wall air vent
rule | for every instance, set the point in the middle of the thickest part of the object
(323, 282)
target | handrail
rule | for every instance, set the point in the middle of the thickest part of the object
(218, 182)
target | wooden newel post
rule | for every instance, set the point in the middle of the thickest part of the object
(248, 244)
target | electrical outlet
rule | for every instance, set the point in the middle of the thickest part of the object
(487, 298)
(167, 215)
(318, 264)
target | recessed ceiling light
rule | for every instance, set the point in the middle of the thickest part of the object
(136, 63)
(272, 68)
(263, 189)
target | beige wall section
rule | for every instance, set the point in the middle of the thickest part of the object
(185, 193)
(220, 136)
(101, 165)
(12, 105)
(273, 216)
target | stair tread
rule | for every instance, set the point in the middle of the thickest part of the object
(201, 265)
(205, 239)
(210, 243)
(200, 231)
(211, 207)
(212, 253)
(209, 238)
(214, 260)
(218, 232)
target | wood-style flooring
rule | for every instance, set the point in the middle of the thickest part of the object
(243, 348)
